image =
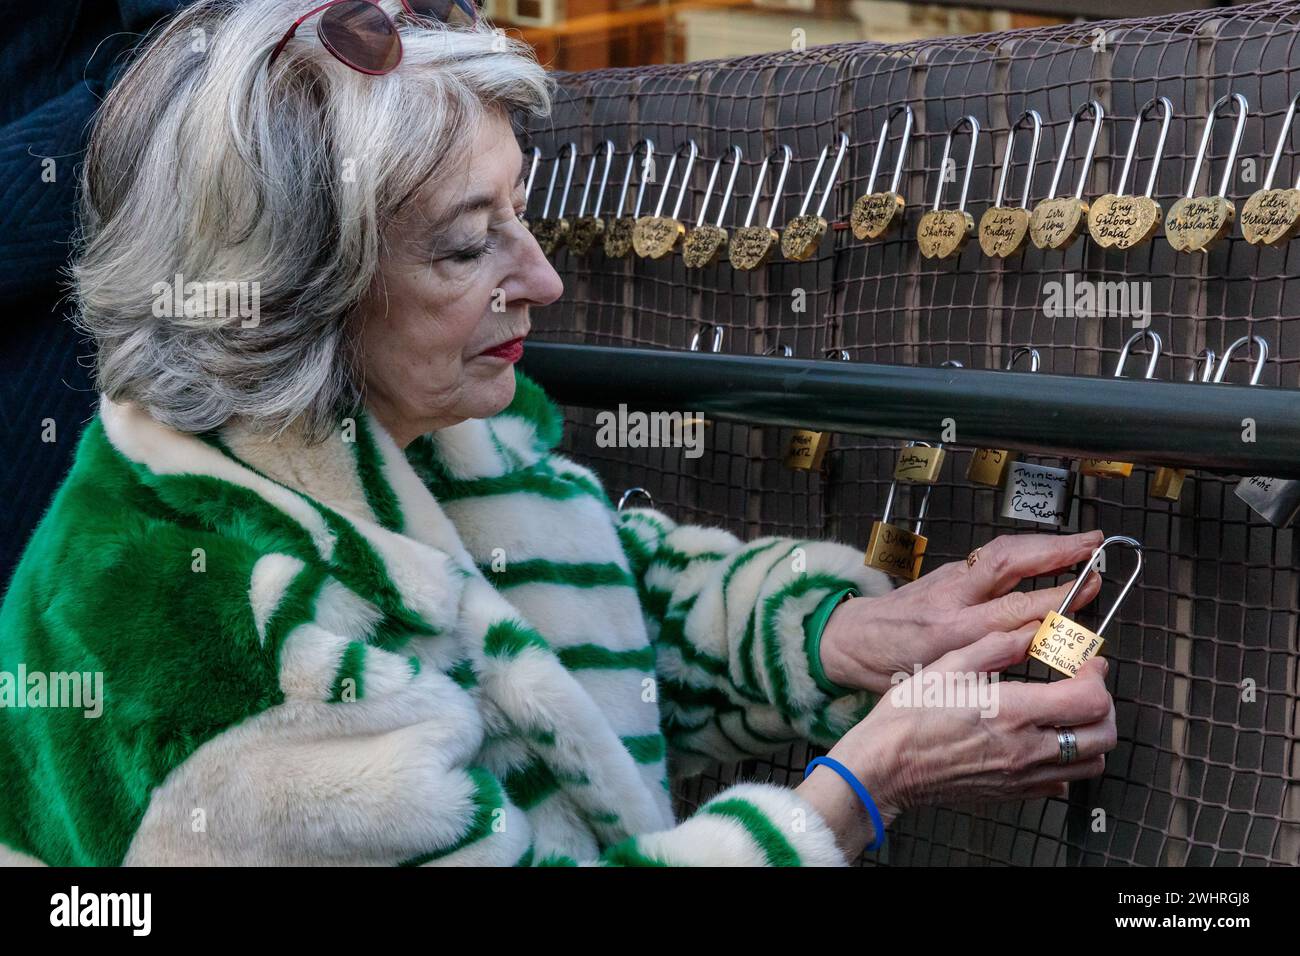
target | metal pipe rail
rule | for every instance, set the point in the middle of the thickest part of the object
(1178, 424)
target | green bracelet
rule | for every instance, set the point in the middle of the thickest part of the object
(814, 625)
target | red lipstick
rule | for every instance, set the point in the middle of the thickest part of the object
(511, 351)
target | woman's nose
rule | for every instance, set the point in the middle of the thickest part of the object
(541, 284)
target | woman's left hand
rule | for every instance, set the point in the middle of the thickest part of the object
(869, 639)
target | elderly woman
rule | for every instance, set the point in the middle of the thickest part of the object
(348, 604)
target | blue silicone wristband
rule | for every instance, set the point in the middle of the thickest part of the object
(859, 789)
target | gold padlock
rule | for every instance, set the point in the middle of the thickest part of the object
(1063, 644)
(1104, 468)
(1272, 216)
(587, 228)
(1057, 221)
(1123, 222)
(988, 466)
(896, 550)
(751, 245)
(551, 231)
(942, 233)
(919, 462)
(1195, 223)
(1167, 483)
(807, 449)
(655, 237)
(528, 185)
(803, 234)
(875, 213)
(618, 233)
(705, 242)
(1004, 229)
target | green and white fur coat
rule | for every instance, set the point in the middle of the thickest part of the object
(344, 653)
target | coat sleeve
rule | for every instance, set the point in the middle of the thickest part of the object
(735, 646)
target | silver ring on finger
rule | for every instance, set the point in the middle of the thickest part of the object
(1069, 745)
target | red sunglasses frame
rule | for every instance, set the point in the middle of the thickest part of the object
(289, 34)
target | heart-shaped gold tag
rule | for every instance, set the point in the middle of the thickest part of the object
(1056, 223)
(1122, 222)
(551, 233)
(874, 213)
(618, 237)
(584, 234)
(703, 245)
(801, 237)
(750, 246)
(941, 233)
(656, 236)
(1197, 222)
(1003, 231)
(1271, 216)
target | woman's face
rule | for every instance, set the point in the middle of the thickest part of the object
(456, 278)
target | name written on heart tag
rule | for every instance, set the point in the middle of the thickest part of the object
(750, 247)
(1271, 216)
(942, 233)
(702, 246)
(1003, 231)
(1056, 223)
(584, 234)
(618, 237)
(875, 213)
(801, 237)
(1122, 222)
(655, 237)
(550, 233)
(1197, 222)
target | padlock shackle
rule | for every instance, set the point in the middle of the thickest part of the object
(1208, 374)
(1034, 358)
(925, 499)
(717, 337)
(1242, 109)
(1157, 344)
(1167, 109)
(1259, 362)
(902, 148)
(532, 174)
(1083, 576)
(974, 125)
(830, 181)
(607, 148)
(1098, 114)
(785, 153)
(735, 155)
(648, 145)
(634, 491)
(1283, 135)
(691, 152)
(1035, 124)
(844, 354)
(572, 149)
(786, 351)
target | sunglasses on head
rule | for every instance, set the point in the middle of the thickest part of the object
(361, 35)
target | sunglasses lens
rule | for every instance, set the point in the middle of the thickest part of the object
(361, 35)
(445, 11)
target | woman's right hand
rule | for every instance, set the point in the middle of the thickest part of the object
(909, 756)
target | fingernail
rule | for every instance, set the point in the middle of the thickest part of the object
(1105, 666)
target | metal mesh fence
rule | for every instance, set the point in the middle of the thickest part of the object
(1203, 773)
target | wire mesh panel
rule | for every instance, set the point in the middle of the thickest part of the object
(1204, 654)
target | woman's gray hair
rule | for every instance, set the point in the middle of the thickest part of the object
(204, 166)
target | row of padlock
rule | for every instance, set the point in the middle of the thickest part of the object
(1115, 220)
(1061, 643)
(1043, 493)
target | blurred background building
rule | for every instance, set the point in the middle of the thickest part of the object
(590, 34)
